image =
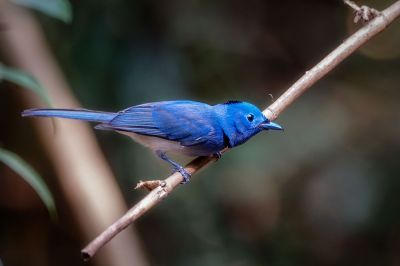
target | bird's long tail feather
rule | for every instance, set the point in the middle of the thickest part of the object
(80, 114)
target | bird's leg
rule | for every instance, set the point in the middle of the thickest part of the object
(178, 167)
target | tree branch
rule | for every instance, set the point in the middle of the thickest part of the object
(375, 26)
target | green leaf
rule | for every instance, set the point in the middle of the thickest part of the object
(25, 80)
(15, 162)
(60, 9)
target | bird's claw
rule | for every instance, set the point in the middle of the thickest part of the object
(186, 176)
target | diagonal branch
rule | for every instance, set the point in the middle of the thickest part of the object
(166, 186)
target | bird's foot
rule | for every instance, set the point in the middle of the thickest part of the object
(217, 155)
(177, 168)
(186, 176)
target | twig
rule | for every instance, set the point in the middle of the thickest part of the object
(306, 81)
(343, 51)
(150, 184)
(364, 12)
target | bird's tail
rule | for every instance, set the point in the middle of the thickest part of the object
(80, 114)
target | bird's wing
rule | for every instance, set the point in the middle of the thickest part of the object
(190, 123)
(138, 119)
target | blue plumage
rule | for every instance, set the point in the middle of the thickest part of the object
(80, 114)
(185, 127)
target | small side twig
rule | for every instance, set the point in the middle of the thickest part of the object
(363, 13)
(150, 184)
(306, 81)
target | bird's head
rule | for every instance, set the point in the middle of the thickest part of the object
(244, 120)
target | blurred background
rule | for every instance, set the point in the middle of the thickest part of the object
(323, 192)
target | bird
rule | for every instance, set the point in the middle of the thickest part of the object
(184, 127)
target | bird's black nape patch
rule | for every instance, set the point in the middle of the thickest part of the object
(233, 102)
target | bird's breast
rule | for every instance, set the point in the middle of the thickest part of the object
(155, 143)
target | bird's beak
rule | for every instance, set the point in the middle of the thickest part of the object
(266, 125)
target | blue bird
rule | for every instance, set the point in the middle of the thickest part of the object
(184, 127)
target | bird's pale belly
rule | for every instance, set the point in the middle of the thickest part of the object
(160, 144)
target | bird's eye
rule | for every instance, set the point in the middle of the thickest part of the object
(250, 117)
